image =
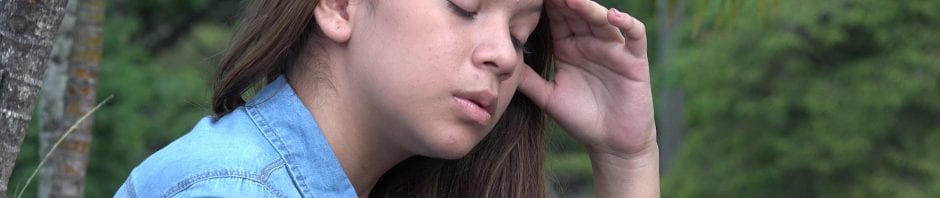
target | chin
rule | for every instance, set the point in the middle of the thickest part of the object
(454, 154)
(455, 144)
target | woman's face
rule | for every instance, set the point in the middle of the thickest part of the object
(438, 73)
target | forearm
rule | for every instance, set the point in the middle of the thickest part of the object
(627, 176)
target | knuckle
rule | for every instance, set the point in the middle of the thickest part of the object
(639, 25)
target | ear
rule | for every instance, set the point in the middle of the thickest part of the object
(332, 18)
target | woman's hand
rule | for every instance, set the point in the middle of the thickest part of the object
(601, 93)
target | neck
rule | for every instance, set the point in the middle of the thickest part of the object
(358, 143)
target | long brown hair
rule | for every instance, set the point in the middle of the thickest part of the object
(506, 163)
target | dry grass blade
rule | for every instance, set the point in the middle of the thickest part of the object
(56, 145)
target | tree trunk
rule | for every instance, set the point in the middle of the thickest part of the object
(27, 28)
(671, 98)
(68, 93)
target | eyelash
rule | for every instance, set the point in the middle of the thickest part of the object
(471, 15)
(460, 11)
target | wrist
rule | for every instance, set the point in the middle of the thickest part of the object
(643, 158)
(633, 175)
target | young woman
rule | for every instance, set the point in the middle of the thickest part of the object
(419, 99)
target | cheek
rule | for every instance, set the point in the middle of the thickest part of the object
(405, 51)
(507, 91)
(421, 45)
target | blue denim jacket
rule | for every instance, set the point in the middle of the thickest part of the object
(270, 147)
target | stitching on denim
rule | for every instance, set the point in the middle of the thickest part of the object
(255, 113)
(220, 174)
(270, 168)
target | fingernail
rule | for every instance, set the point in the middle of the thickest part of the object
(619, 13)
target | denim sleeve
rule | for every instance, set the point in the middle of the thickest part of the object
(212, 187)
(229, 187)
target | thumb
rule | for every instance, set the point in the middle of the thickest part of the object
(535, 87)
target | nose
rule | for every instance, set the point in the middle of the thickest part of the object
(495, 52)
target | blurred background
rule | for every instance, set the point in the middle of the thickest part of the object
(755, 98)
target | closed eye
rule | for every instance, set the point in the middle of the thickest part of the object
(460, 11)
(516, 43)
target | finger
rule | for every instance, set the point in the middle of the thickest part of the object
(558, 24)
(574, 20)
(594, 16)
(577, 25)
(537, 88)
(564, 21)
(633, 30)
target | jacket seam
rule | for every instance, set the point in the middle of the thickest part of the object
(270, 168)
(230, 174)
(279, 146)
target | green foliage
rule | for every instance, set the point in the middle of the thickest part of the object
(826, 99)
(161, 24)
(157, 98)
(156, 101)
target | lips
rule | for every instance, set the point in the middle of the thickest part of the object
(479, 106)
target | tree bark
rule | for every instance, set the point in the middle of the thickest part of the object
(27, 28)
(671, 110)
(68, 93)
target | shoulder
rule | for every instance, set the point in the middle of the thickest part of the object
(211, 184)
(218, 157)
(230, 141)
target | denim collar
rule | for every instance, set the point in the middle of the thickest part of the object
(295, 135)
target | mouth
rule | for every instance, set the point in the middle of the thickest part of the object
(478, 106)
